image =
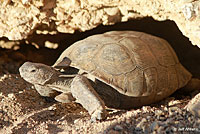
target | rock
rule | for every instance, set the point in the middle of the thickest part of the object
(194, 106)
(113, 132)
(141, 123)
(18, 19)
(158, 112)
(11, 95)
(154, 126)
(118, 128)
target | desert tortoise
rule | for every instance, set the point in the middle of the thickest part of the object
(126, 69)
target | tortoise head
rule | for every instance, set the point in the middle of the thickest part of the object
(37, 73)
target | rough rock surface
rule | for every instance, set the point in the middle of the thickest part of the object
(19, 18)
(194, 105)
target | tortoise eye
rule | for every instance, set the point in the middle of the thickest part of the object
(33, 70)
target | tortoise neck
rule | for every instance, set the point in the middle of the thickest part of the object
(61, 83)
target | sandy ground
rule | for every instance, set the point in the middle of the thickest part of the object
(24, 111)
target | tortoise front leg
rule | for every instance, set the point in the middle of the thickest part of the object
(85, 94)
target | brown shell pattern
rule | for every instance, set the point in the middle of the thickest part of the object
(134, 63)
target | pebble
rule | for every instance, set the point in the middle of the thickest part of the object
(118, 128)
(1, 115)
(173, 102)
(173, 109)
(52, 108)
(165, 109)
(138, 129)
(158, 112)
(161, 117)
(6, 118)
(11, 95)
(20, 92)
(30, 132)
(113, 132)
(176, 122)
(160, 130)
(149, 117)
(77, 120)
(128, 121)
(141, 123)
(154, 126)
(169, 130)
(41, 103)
(169, 121)
(146, 129)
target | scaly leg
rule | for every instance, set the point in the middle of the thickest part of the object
(85, 94)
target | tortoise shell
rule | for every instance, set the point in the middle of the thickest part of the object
(134, 63)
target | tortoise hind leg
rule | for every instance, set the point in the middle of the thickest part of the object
(85, 94)
(64, 98)
(192, 85)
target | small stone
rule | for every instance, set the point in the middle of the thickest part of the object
(30, 132)
(169, 121)
(41, 103)
(158, 112)
(1, 115)
(171, 113)
(160, 130)
(128, 121)
(148, 117)
(141, 123)
(173, 102)
(161, 117)
(6, 118)
(154, 126)
(11, 95)
(173, 109)
(118, 128)
(138, 129)
(146, 129)
(20, 92)
(176, 122)
(113, 132)
(165, 109)
(76, 121)
(169, 130)
(154, 132)
(52, 113)
(51, 108)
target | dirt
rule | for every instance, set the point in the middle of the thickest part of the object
(24, 111)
